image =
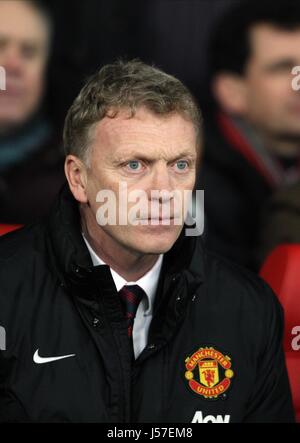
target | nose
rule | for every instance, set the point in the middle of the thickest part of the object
(161, 185)
(12, 61)
(161, 178)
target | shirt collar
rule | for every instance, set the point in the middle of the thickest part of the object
(148, 282)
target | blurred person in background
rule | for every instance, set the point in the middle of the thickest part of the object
(280, 221)
(31, 162)
(253, 132)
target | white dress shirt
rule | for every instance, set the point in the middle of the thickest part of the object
(144, 313)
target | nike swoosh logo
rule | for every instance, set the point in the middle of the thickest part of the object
(40, 360)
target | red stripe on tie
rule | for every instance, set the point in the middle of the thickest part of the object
(131, 297)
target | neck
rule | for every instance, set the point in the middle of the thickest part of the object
(284, 145)
(129, 264)
(10, 129)
(7, 130)
(283, 148)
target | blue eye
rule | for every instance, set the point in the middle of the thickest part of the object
(134, 165)
(182, 165)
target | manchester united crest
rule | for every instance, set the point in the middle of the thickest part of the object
(209, 372)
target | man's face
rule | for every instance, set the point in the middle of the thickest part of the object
(23, 55)
(270, 101)
(146, 152)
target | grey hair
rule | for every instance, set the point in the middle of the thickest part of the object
(125, 85)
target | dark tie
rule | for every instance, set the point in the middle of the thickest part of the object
(131, 297)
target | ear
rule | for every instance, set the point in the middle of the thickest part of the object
(231, 93)
(76, 174)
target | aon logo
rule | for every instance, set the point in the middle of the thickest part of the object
(198, 418)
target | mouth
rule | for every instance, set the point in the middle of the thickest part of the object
(159, 222)
(8, 97)
(160, 219)
(13, 90)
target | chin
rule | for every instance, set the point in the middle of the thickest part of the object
(152, 250)
(11, 121)
(156, 244)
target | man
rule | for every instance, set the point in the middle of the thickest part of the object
(280, 221)
(253, 135)
(31, 164)
(206, 340)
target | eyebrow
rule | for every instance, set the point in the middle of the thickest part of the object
(283, 63)
(149, 159)
(28, 41)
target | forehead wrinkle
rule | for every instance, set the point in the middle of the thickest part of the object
(121, 137)
(147, 121)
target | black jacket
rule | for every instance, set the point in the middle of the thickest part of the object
(53, 300)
